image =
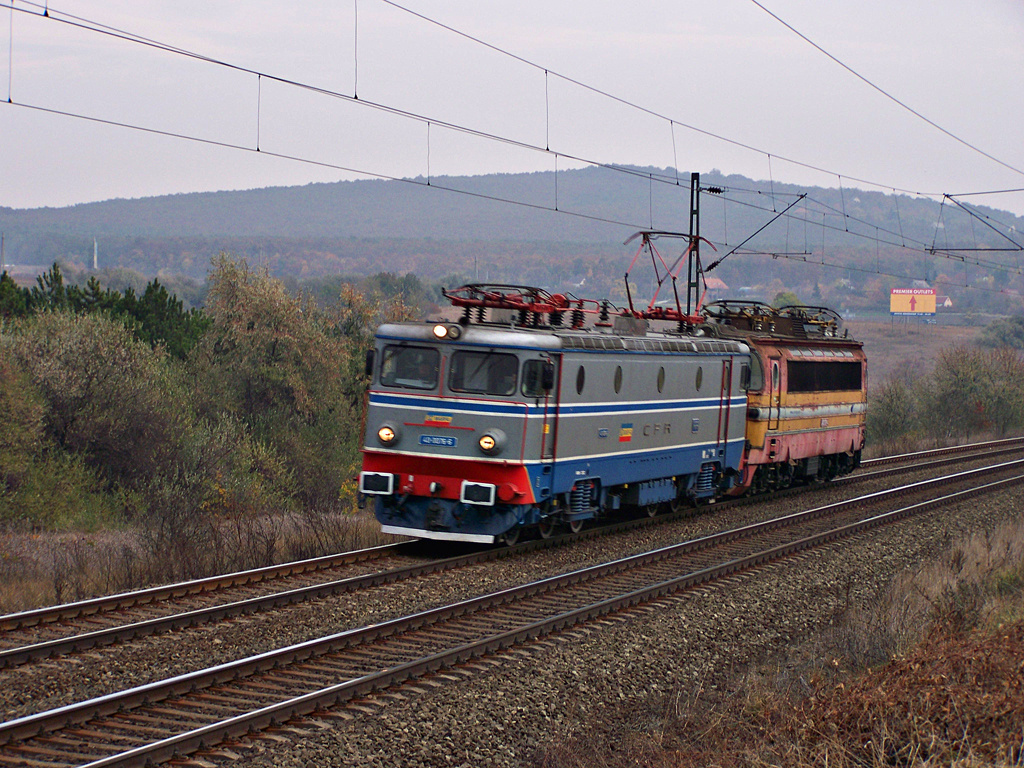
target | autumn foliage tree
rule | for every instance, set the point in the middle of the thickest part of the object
(970, 392)
(292, 373)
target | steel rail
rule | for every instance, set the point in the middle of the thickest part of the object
(31, 725)
(148, 595)
(336, 695)
(119, 633)
(123, 600)
(953, 449)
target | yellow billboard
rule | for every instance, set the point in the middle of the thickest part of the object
(912, 301)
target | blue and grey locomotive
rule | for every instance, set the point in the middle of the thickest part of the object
(536, 411)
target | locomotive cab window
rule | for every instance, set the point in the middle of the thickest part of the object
(756, 374)
(534, 384)
(483, 373)
(409, 367)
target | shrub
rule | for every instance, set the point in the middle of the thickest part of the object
(289, 372)
(109, 398)
(22, 412)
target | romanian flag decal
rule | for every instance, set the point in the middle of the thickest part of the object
(625, 433)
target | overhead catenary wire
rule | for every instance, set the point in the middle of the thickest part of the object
(97, 27)
(885, 93)
(654, 113)
(324, 164)
(918, 247)
(100, 28)
(652, 177)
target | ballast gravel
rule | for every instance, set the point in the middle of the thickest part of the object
(509, 713)
(627, 670)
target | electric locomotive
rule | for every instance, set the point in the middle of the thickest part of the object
(807, 398)
(536, 411)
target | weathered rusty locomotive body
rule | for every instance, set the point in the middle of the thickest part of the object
(524, 416)
(807, 398)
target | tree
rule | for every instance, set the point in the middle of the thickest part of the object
(960, 388)
(785, 299)
(1004, 406)
(891, 417)
(1004, 332)
(49, 291)
(269, 360)
(14, 301)
(110, 398)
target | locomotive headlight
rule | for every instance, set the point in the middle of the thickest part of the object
(387, 435)
(442, 331)
(492, 442)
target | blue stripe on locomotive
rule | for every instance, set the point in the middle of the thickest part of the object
(516, 409)
(621, 468)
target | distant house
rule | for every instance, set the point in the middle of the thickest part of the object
(716, 289)
(943, 301)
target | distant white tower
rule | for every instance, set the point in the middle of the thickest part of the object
(95, 255)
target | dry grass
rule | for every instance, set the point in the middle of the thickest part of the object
(907, 348)
(43, 569)
(932, 674)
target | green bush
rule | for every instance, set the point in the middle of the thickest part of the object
(57, 491)
(288, 371)
(970, 392)
(111, 399)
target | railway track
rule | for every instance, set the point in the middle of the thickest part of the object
(64, 629)
(190, 712)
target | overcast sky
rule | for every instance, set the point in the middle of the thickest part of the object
(723, 66)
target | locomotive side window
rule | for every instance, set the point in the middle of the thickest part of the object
(618, 379)
(409, 367)
(661, 379)
(806, 376)
(700, 377)
(581, 377)
(483, 373)
(745, 377)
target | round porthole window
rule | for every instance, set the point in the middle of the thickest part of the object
(618, 379)
(580, 378)
(661, 379)
(700, 377)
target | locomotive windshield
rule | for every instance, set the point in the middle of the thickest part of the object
(410, 367)
(483, 373)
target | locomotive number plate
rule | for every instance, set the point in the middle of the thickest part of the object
(439, 440)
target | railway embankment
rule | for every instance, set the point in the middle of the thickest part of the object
(931, 672)
(625, 691)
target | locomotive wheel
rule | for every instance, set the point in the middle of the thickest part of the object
(675, 505)
(651, 510)
(576, 525)
(511, 536)
(546, 527)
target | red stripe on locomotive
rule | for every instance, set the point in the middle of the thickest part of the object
(416, 473)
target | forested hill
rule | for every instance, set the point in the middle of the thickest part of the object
(363, 226)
